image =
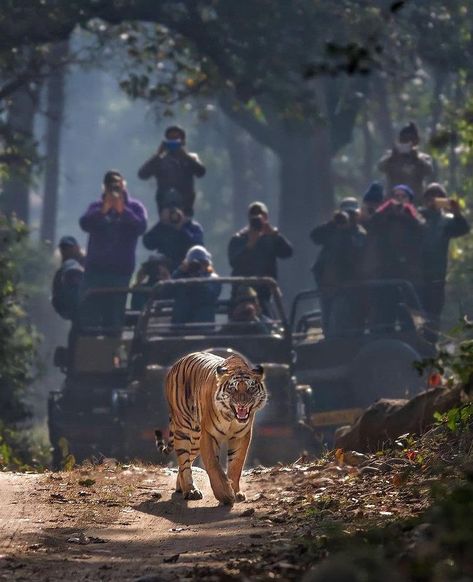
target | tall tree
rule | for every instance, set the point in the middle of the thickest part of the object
(55, 111)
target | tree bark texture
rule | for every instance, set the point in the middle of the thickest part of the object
(55, 112)
(20, 119)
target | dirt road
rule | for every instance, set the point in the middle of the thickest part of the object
(113, 523)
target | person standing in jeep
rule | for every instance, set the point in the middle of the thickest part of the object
(174, 169)
(254, 250)
(444, 221)
(405, 164)
(114, 223)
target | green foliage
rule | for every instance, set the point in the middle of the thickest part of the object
(18, 340)
(456, 419)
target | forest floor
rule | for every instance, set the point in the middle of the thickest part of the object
(344, 514)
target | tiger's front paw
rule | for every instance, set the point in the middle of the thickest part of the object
(240, 496)
(193, 494)
(227, 498)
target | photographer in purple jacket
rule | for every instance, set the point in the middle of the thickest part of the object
(114, 223)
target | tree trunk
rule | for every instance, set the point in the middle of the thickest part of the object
(55, 110)
(20, 121)
(383, 109)
(368, 149)
(306, 199)
(237, 146)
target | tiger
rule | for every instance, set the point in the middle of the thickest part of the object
(212, 401)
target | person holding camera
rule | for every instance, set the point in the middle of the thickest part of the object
(393, 251)
(254, 250)
(173, 235)
(196, 303)
(405, 164)
(443, 221)
(155, 269)
(340, 263)
(114, 224)
(372, 200)
(174, 169)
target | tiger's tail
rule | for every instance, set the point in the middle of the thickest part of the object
(161, 445)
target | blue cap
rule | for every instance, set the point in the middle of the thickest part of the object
(405, 188)
(68, 241)
(374, 194)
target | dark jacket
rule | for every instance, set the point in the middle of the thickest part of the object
(394, 243)
(438, 230)
(341, 258)
(195, 303)
(65, 296)
(174, 242)
(113, 237)
(174, 171)
(259, 260)
(412, 169)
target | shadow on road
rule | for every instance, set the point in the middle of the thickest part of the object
(179, 510)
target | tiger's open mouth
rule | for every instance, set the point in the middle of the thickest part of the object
(242, 413)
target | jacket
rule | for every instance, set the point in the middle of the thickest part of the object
(174, 171)
(113, 237)
(394, 243)
(259, 260)
(341, 259)
(412, 169)
(174, 242)
(195, 303)
(439, 228)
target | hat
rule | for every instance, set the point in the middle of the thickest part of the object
(257, 208)
(68, 241)
(436, 190)
(374, 194)
(349, 204)
(409, 133)
(72, 265)
(405, 189)
(112, 176)
(198, 253)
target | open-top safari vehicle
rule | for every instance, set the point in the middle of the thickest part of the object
(370, 356)
(112, 399)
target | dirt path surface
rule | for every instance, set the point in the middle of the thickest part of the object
(124, 522)
(114, 523)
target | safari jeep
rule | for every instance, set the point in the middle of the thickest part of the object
(369, 358)
(113, 399)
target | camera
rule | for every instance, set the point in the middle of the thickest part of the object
(195, 267)
(256, 223)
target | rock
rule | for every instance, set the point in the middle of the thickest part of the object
(386, 419)
(247, 513)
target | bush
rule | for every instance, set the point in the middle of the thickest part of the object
(18, 342)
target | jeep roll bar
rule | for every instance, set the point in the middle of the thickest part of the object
(269, 282)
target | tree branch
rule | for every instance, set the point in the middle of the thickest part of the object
(263, 133)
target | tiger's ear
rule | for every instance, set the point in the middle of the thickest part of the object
(258, 370)
(221, 370)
